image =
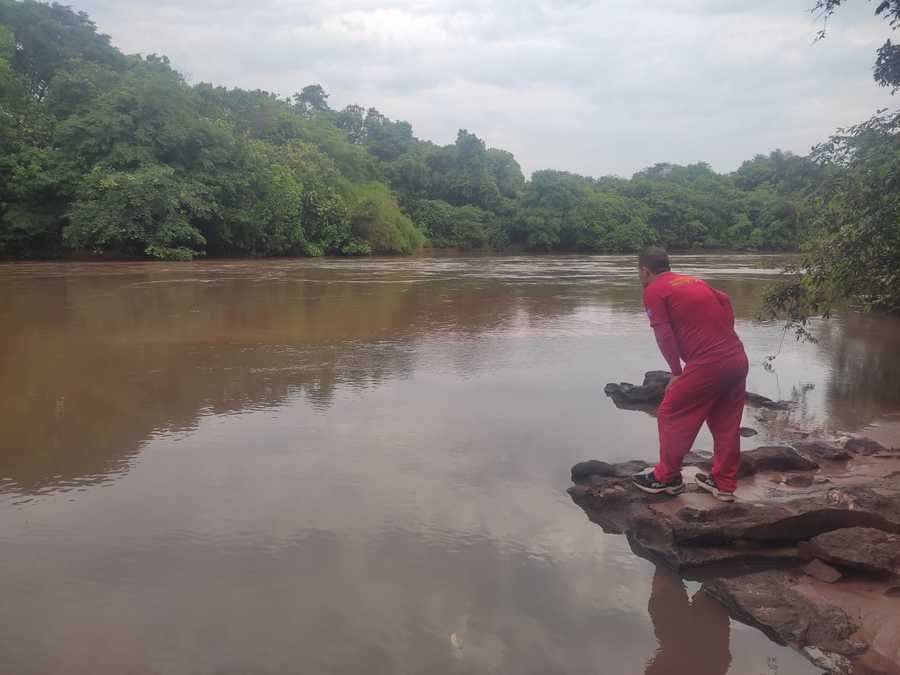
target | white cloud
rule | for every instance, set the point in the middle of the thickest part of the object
(593, 87)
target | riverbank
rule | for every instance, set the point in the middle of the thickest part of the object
(810, 552)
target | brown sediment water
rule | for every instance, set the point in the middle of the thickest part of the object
(340, 466)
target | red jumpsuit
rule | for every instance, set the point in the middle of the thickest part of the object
(694, 322)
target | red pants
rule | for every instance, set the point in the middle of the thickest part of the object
(707, 392)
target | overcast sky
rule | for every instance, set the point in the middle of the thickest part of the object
(605, 87)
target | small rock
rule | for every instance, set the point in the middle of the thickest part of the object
(652, 391)
(774, 458)
(628, 469)
(757, 401)
(798, 481)
(592, 467)
(861, 548)
(747, 432)
(823, 572)
(823, 450)
(865, 446)
(594, 470)
(893, 592)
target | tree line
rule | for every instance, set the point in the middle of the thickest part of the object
(106, 152)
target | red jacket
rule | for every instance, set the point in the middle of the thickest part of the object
(692, 320)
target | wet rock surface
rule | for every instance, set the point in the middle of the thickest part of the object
(770, 601)
(650, 393)
(832, 507)
(866, 446)
(857, 548)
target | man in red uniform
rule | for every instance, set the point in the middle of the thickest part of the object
(694, 323)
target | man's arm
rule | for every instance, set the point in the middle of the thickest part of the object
(725, 301)
(668, 346)
(662, 328)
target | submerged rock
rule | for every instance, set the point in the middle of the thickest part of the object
(866, 446)
(757, 401)
(649, 395)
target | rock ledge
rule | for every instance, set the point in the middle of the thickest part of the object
(838, 504)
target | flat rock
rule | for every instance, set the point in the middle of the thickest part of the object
(668, 527)
(859, 548)
(822, 571)
(768, 600)
(747, 432)
(774, 458)
(766, 458)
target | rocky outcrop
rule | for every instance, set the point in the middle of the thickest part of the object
(651, 392)
(834, 508)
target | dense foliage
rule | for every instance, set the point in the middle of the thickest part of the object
(853, 256)
(106, 152)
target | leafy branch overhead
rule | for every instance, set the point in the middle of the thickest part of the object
(853, 257)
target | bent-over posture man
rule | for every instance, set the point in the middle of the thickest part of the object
(694, 323)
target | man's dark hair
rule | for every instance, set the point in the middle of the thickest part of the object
(655, 259)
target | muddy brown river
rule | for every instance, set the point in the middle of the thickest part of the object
(359, 466)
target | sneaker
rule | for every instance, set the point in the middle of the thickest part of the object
(648, 483)
(709, 484)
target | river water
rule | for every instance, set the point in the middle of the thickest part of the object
(359, 466)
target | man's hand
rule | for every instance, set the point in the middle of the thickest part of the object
(674, 379)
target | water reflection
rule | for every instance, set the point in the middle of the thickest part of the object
(693, 633)
(100, 358)
(865, 368)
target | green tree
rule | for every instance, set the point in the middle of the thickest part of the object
(855, 257)
(149, 210)
(312, 99)
(887, 62)
(47, 37)
(376, 218)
